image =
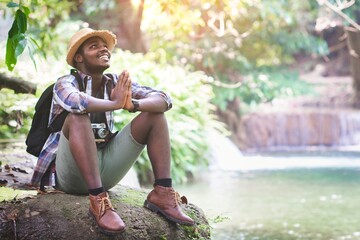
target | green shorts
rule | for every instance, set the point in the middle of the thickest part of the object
(115, 160)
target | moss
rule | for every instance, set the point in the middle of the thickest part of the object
(163, 237)
(67, 213)
(191, 213)
(205, 230)
(132, 197)
(192, 232)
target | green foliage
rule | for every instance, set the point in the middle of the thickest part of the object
(351, 11)
(234, 41)
(189, 119)
(221, 38)
(264, 85)
(15, 110)
(233, 38)
(34, 21)
(205, 33)
(218, 219)
(17, 39)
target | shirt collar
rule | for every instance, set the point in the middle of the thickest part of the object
(86, 78)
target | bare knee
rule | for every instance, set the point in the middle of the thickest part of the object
(147, 122)
(149, 118)
(75, 122)
(154, 115)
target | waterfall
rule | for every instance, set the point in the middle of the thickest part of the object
(301, 128)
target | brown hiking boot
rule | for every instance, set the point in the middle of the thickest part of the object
(106, 218)
(166, 201)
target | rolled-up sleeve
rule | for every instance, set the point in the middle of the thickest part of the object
(139, 92)
(68, 95)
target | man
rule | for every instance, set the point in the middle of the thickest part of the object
(83, 164)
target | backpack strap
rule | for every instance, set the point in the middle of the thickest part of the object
(110, 84)
(58, 122)
(76, 74)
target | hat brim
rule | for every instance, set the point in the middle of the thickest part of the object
(107, 36)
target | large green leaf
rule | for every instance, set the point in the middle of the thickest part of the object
(21, 21)
(16, 41)
(20, 47)
(10, 58)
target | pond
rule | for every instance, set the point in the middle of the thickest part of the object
(298, 195)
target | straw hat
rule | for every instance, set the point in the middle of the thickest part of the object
(84, 34)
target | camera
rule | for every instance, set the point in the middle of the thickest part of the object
(100, 131)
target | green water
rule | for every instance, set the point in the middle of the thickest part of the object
(301, 203)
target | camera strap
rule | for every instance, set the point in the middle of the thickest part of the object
(100, 118)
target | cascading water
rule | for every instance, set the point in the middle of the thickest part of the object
(301, 128)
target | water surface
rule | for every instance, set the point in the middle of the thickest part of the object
(282, 196)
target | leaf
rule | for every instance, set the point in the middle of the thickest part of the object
(26, 10)
(20, 47)
(32, 58)
(16, 42)
(21, 21)
(8, 194)
(14, 29)
(3, 182)
(10, 58)
(12, 215)
(34, 41)
(12, 5)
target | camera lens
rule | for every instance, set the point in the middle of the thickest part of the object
(102, 132)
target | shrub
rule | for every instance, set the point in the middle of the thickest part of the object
(189, 119)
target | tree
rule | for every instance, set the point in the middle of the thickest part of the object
(34, 30)
(344, 10)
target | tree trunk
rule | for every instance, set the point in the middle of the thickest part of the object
(64, 216)
(353, 37)
(17, 84)
(130, 36)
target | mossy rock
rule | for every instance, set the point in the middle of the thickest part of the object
(64, 216)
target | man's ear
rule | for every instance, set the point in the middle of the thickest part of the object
(78, 58)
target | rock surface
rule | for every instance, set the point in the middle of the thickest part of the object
(64, 216)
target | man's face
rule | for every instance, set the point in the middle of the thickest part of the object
(94, 55)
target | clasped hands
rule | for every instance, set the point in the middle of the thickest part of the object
(121, 94)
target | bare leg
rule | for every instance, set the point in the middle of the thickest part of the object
(77, 129)
(152, 129)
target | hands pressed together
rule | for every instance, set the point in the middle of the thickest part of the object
(121, 93)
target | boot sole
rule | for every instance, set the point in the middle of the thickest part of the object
(107, 232)
(156, 209)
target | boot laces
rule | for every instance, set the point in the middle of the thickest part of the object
(176, 197)
(105, 204)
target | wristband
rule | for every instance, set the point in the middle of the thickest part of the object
(136, 104)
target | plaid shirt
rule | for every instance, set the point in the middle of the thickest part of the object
(67, 96)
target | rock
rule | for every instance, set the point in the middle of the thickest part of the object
(64, 216)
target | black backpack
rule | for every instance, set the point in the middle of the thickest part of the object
(40, 131)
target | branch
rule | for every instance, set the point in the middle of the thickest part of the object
(340, 13)
(344, 4)
(17, 84)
